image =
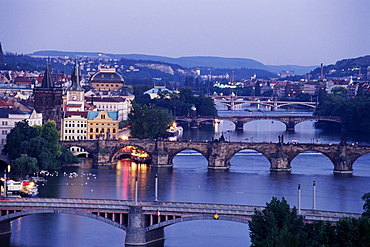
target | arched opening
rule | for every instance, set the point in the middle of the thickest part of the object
(311, 163)
(249, 161)
(79, 152)
(50, 229)
(207, 233)
(263, 130)
(133, 153)
(190, 160)
(361, 166)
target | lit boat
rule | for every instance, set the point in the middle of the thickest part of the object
(29, 189)
(13, 186)
(175, 132)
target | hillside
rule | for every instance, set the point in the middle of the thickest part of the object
(189, 62)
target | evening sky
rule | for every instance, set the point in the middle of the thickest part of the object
(274, 32)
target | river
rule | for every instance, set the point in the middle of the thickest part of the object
(247, 182)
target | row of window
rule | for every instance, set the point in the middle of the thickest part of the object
(73, 125)
(75, 138)
(102, 130)
(73, 131)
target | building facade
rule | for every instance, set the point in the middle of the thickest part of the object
(102, 125)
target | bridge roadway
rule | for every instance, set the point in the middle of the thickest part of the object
(219, 154)
(234, 102)
(144, 222)
(239, 121)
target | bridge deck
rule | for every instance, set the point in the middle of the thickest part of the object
(179, 208)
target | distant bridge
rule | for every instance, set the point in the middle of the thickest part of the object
(219, 154)
(144, 222)
(239, 121)
(234, 102)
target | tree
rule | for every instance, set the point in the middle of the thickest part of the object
(148, 123)
(25, 164)
(22, 131)
(40, 144)
(366, 206)
(276, 225)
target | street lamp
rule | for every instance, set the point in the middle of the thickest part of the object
(5, 183)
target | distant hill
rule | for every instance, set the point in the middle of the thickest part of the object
(190, 62)
(345, 67)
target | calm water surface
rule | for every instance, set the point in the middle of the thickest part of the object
(248, 181)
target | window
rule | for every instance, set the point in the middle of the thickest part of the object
(97, 130)
(91, 129)
(102, 116)
(4, 132)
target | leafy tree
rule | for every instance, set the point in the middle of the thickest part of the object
(276, 225)
(39, 143)
(25, 164)
(366, 206)
(21, 131)
(148, 123)
(340, 91)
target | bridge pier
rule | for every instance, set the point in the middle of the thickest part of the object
(290, 126)
(239, 125)
(279, 162)
(136, 233)
(342, 163)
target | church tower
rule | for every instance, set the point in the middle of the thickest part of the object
(75, 100)
(48, 99)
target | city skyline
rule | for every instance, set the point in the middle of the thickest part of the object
(271, 32)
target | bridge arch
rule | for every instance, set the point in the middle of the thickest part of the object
(233, 154)
(173, 154)
(317, 157)
(162, 224)
(16, 215)
(118, 149)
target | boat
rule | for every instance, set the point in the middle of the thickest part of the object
(13, 187)
(175, 132)
(29, 189)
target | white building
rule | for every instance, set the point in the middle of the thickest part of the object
(74, 126)
(121, 105)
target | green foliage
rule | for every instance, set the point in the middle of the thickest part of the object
(355, 112)
(40, 144)
(179, 104)
(276, 225)
(366, 206)
(25, 164)
(148, 123)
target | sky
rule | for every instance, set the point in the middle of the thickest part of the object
(273, 32)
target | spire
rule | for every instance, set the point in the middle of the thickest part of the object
(76, 77)
(47, 81)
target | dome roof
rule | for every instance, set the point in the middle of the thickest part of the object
(107, 75)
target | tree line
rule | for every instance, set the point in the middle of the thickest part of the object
(150, 118)
(278, 225)
(355, 112)
(31, 149)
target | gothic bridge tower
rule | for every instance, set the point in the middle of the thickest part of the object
(48, 99)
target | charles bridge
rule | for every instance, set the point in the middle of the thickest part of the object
(143, 222)
(219, 154)
(239, 121)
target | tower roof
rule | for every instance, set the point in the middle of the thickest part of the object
(76, 77)
(47, 81)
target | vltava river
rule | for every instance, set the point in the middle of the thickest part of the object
(248, 182)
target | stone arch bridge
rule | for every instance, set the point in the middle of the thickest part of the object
(219, 154)
(239, 121)
(144, 222)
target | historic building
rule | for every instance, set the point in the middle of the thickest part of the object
(156, 91)
(74, 125)
(102, 125)
(48, 99)
(107, 80)
(74, 99)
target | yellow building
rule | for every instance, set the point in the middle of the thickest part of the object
(102, 125)
(107, 80)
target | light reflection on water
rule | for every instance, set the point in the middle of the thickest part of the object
(248, 182)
